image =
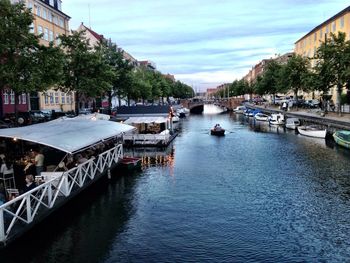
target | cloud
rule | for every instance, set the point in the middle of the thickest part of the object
(206, 41)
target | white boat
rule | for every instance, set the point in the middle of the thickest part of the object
(277, 119)
(261, 117)
(239, 109)
(292, 123)
(312, 131)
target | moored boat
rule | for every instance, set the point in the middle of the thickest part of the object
(261, 117)
(130, 163)
(292, 123)
(239, 109)
(277, 119)
(312, 131)
(342, 138)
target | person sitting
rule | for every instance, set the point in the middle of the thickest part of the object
(6, 168)
(217, 127)
(30, 183)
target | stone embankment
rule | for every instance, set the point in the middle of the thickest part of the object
(331, 120)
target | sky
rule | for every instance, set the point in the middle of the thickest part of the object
(203, 43)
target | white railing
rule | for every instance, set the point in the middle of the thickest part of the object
(26, 208)
(147, 138)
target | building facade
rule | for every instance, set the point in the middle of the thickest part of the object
(307, 45)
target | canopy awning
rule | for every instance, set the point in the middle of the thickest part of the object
(137, 120)
(68, 134)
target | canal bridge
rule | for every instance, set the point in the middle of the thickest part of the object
(197, 106)
(194, 105)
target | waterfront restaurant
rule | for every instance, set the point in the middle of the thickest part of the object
(73, 137)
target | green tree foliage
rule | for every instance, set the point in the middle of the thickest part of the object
(25, 65)
(333, 64)
(122, 79)
(296, 74)
(271, 80)
(86, 70)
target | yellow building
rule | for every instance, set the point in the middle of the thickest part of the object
(308, 44)
(50, 22)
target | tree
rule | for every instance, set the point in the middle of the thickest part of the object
(25, 65)
(271, 80)
(122, 79)
(333, 64)
(296, 74)
(86, 70)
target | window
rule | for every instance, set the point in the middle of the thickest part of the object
(58, 40)
(46, 99)
(12, 97)
(327, 29)
(334, 26)
(6, 98)
(38, 11)
(49, 15)
(30, 5)
(56, 98)
(321, 37)
(315, 37)
(342, 22)
(50, 35)
(59, 5)
(31, 30)
(19, 99)
(55, 21)
(44, 13)
(51, 3)
(46, 34)
(63, 98)
(61, 22)
(40, 30)
(51, 97)
(24, 98)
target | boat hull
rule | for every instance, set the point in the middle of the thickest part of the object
(312, 132)
(217, 132)
(130, 163)
(340, 138)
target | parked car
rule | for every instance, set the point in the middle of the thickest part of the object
(312, 103)
(37, 116)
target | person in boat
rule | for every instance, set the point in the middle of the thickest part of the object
(217, 127)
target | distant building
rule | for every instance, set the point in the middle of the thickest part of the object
(307, 45)
(169, 76)
(148, 64)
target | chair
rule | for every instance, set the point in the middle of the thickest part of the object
(8, 180)
(12, 193)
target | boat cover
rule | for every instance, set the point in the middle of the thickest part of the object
(137, 120)
(69, 134)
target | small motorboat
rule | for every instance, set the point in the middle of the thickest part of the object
(130, 163)
(261, 117)
(239, 109)
(312, 131)
(342, 138)
(276, 119)
(217, 130)
(292, 123)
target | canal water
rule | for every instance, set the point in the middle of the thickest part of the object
(258, 194)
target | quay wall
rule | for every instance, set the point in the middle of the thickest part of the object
(306, 118)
